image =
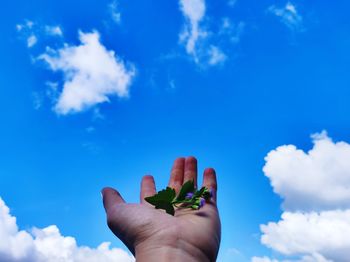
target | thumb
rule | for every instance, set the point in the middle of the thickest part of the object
(111, 197)
(117, 223)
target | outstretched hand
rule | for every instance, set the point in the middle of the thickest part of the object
(153, 235)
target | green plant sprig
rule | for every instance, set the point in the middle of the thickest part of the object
(188, 197)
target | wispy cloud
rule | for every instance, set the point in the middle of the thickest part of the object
(288, 15)
(32, 31)
(97, 115)
(90, 129)
(28, 24)
(233, 254)
(52, 91)
(53, 30)
(314, 185)
(205, 46)
(26, 30)
(31, 40)
(216, 56)
(48, 245)
(92, 74)
(114, 12)
(37, 100)
(231, 3)
(263, 259)
(232, 31)
(195, 36)
(194, 12)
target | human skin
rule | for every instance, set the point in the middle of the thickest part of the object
(153, 235)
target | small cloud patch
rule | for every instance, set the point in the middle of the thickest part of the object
(32, 32)
(288, 15)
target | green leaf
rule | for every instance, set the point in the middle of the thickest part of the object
(163, 200)
(168, 207)
(206, 194)
(199, 193)
(186, 188)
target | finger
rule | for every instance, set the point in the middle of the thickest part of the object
(191, 170)
(111, 197)
(209, 181)
(117, 222)
(177, 174)
(148, 188)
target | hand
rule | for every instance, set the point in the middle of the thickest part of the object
(153, 235)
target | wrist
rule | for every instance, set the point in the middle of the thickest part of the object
(181, 251)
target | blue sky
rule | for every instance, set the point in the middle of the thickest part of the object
(97, 93)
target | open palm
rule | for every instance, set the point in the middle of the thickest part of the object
(153, 235)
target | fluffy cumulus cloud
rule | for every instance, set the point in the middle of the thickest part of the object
(315, 180)
(288, 15)
(325, 233)
(92, 74)
(315, 187)
(48, 245)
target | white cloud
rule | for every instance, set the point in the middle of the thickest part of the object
(114, 12)
(326, 234)
(48, 245)
(31, 40)
(216, 56)
(91, 74)
(193, 11)
(232, 254)
(53, 30)
(313, 258)
(288, 15)
(262, 259)
(52, 91)
(310, 258)
(97, 115)
(25, 30)
(231, 30)
(37, 100)
(31, 32)
(315, 180)
(26, 25)
(315, 186)
(207, 47)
